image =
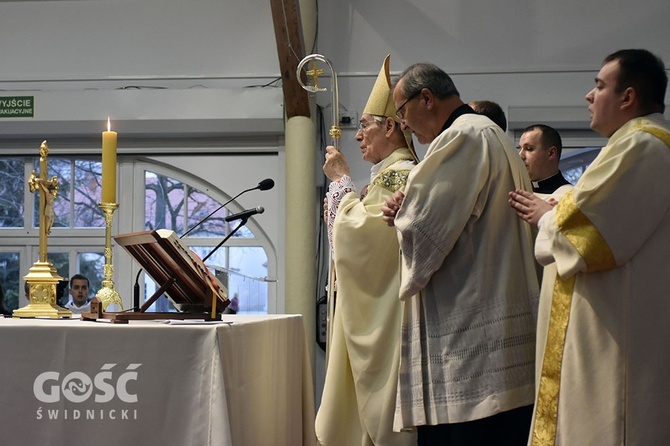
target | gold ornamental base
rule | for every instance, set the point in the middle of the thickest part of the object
(108, 296)
(42, 279)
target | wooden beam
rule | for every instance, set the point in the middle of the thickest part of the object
(290, 51)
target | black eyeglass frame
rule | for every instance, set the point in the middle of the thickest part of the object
(398, 112)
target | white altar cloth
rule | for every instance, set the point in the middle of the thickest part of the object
(245, 380)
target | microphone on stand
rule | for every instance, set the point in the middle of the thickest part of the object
(244, 215)
(265, 184)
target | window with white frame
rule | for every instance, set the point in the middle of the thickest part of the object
(243, 267)
(77, 238)
(76, 243)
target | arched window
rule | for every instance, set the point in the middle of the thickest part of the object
(171, 199)
(241, 264)
(76, 243)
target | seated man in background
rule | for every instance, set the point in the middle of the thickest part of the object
(79, 292)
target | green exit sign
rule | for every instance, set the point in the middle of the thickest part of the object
(17, 106)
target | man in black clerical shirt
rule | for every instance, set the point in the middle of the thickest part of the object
(540, 149)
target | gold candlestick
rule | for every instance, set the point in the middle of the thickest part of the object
(42, 277)
(107, 294)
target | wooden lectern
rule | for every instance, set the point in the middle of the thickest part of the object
(179, 273)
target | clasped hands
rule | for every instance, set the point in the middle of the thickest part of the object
(529, 206)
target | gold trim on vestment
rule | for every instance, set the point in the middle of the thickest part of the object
(657, 132)
(546, 407)
(392, 180)
(583, 235)
(593, 248)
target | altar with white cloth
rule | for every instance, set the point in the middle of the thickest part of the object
(245, 380)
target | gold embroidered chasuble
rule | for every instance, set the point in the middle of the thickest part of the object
(360, 388)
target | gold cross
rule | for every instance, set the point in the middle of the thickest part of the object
(314, 73)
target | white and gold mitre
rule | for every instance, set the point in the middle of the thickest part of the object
(380, 102)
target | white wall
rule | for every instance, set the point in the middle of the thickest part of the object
(518, 53)
(136, 39)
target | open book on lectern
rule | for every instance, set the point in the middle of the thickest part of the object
(178, 271)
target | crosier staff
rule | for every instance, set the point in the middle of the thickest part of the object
(335, 132)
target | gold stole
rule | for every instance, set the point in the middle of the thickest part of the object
(593, 248)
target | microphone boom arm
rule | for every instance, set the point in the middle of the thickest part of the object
(265, 184)
(243, 222)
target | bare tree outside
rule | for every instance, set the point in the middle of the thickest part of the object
(86, 193)
(164, 203)
(169, 204)
(11, 192)
(10, 278)
(79, 193)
